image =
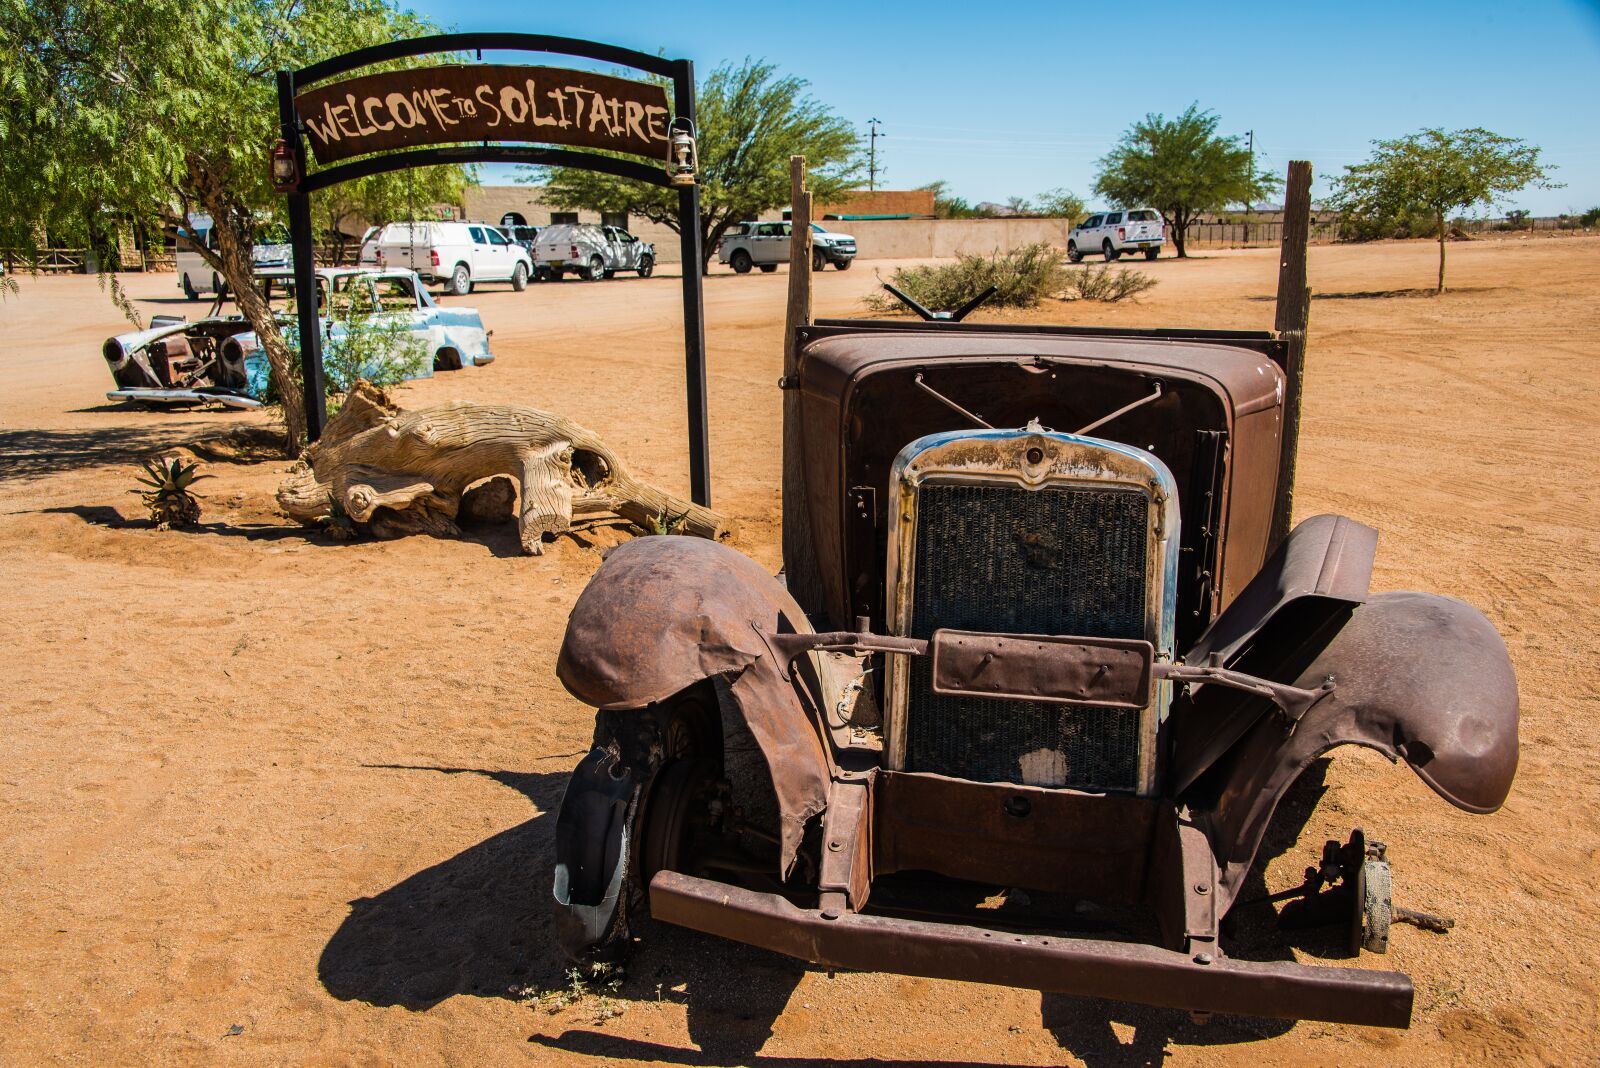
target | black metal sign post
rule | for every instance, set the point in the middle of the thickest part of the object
(305, 270)
(375, 116)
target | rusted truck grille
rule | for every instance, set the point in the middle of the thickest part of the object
(1057, 560)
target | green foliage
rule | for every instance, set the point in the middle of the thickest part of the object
(1059, 203)
(1360, 226)
(1437, 171)
(1180, 167)
(751, 120)
(947, 205)
(363, 343)
(168, 499)
(1052, 204)
(1106, 283)
(1022, 277)
(399, 196)
(142, 111)
(1590, 217)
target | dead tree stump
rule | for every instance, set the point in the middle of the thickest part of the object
(396, 472)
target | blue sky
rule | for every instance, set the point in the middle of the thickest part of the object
(1014, 99)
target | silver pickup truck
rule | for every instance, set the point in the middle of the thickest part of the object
(766, 244)
(591, 252)
(1112, 233)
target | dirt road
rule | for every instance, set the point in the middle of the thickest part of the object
(268, 799)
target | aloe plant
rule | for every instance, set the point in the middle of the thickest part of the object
(170, 503)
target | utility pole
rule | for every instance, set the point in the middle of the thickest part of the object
(872, 152)
(1250, 144)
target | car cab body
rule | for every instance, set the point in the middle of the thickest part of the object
(456, 255)
(766, 244)
(591, 252)
(219, 360)
(1112, 233)
(1043, 636)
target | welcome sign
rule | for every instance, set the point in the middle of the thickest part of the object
(449, 105)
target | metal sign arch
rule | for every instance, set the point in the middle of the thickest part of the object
(292, 84)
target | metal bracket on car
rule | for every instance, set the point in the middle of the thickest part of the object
(1292, 701)
(786, 647)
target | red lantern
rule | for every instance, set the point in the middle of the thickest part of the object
(285, 175)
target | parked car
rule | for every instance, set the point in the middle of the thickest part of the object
(219, 360)
(591, 252)
(526, 236)
(195, 276)
(1069, 671)
(766, 244)
(456, 255)
(1112, 233)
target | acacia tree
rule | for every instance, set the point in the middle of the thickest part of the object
(383, 198)
(750, 122)
(143, 111)
(1439, 172)
(1180, 167)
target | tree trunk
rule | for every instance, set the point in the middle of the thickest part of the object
(1180, 236)
(394, 472)
(232, 260)
(1440, 217)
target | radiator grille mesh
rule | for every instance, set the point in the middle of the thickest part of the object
(1012, 560)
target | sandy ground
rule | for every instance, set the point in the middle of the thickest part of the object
(268, 799)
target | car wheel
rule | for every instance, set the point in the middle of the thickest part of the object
(519, 278)
(768, 268)
(595, 270)
(842, 265)
(1151, 253)
(646, 265)
(460, 281)
(818, 261)
(447, 359)
(1073, 255)
(740, 261)
(188, 288)
(1111, 253)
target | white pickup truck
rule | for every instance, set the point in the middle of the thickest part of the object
(766, 244)
(1112, 233)
(456, 254)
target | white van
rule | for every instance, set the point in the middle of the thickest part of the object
(456, 254)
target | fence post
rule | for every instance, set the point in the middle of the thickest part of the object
(1291, 321)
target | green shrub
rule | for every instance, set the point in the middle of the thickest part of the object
(1022, 277)
(365, 342)
(1106, 283)
(1377, 227)
(1590, 217)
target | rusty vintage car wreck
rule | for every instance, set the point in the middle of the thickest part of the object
(1042, 629)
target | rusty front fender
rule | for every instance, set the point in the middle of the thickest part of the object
(664, 613)
(1418, 677)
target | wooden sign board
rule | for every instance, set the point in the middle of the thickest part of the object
(484, 102)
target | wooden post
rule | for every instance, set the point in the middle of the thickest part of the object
(1291, 321)
(800, 569)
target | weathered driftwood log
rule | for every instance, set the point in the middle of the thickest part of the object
(399, 472)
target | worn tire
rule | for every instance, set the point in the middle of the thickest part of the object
(842, 265)
(1151, 253)
(768, 268)
(740, 261)
(1073, 255)
(519, 278)
(595, 270)
(1111, 254)
(818, 261)
(647, 264)
(460, 283)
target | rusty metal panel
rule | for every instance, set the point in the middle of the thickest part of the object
(1203, 982)
(484, 102)
(1033, 837)
(1100, 672)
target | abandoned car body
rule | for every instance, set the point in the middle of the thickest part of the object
(1100, 663)
(218, 360)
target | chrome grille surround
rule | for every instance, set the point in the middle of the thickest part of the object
(1000, 459)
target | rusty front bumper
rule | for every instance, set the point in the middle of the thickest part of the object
(1123, 971)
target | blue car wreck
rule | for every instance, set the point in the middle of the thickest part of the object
(219, 360)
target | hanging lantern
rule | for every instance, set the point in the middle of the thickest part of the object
(683, 162)
(285, 175)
